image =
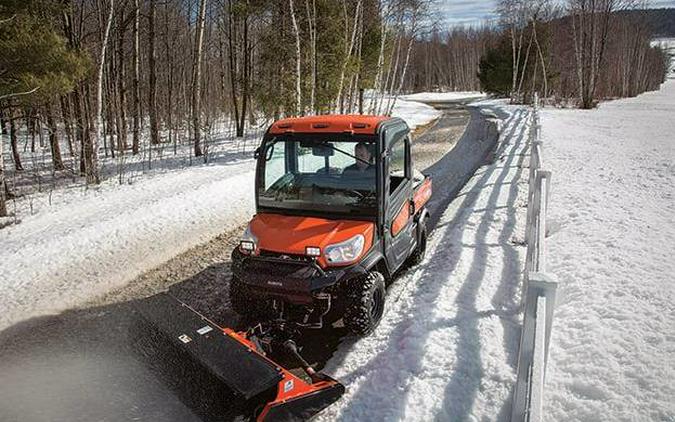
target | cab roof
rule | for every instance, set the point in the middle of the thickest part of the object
(332, 123)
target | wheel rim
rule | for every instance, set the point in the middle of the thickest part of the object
(376, 305)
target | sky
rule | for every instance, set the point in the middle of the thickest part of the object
(473, 12)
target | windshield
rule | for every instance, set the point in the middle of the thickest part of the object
(318, 175)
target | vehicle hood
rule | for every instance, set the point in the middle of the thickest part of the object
(292, 234)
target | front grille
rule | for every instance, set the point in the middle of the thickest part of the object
(294, 257)
(274, 269)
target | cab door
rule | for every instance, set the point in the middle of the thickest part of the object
(398, 224)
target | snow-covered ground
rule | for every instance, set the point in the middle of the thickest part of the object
(74, 244)
(612, 248)
(444, 96)
(446, 347)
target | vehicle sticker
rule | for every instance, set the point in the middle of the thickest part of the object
(288, 386)
(205, 329)
(184, 338)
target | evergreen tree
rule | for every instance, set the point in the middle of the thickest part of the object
(495, 70)
(36, 66)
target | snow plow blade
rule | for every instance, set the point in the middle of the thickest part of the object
(257, 387)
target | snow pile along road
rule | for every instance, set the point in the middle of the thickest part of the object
(447, 346)
(612, 247)
(444, 96)
(79, 244)
(95, 241)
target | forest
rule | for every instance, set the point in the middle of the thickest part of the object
(89, 82)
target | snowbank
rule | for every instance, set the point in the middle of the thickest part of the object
(444, 96)
(76, 244)
(414, 113)
(612, 245)
(90, 242)
(446, 347)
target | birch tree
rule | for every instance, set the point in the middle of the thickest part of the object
(298, 68)
(92, 160)
(311, 23)
(349, 46)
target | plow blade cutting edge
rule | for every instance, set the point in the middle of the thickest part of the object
(257, 387)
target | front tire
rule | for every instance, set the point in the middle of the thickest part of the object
(365, 298)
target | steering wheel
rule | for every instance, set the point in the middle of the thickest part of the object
(331, 170)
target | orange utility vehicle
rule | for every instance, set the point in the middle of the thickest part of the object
(339, 210)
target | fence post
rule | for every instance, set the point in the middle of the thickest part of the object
(520, 395)
(538, 363)
(545, 285)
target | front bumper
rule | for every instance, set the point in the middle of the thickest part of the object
(295, 281)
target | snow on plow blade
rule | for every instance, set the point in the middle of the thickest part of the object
(255, 386)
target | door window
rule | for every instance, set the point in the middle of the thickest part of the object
(397, 159)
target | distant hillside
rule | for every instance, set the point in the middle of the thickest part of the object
(662, 21)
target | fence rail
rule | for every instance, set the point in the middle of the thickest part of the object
(539, 289)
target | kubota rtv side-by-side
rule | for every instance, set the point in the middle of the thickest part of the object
(339, 210)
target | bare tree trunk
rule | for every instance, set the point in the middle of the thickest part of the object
(391, 74)
(135, 84)
(233, 67)
(3, 123)
(578, 47)
(29, 114)
(54, 139)
(311, 22)
(413, 31)
(527, 58)
(121, 86)
(245, 78)
(3, 185)
(152, 96)
(169, 85)
(197, 75)
(380, 65)
(541, 58)
(14, 144)
(92, 170)
(349, 46)
(354, 84)
(298, 74)
(67, 123)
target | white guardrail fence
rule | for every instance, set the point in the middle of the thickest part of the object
(539, 289)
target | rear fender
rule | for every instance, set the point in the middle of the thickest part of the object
(422, 219)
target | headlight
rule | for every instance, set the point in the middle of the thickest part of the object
(347, 251)
(249, 242)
